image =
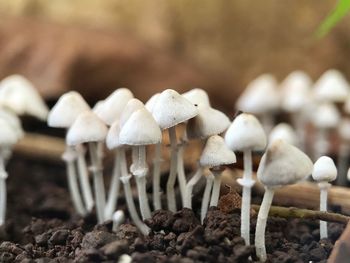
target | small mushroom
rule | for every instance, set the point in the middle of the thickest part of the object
(216, 155)
(118, 219)
(282, 164)
(197, 96)
(88, 128)
(285, 132)
(170, 110)
(246, 134)
(324, 172)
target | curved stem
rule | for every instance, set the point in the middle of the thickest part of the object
(181, 173)
(216, 189)
(189, 187)
(98, 181)
(206, 196)
(113, 193)
(171, 198)
(3, 190)
(324, 186)
(84, 178)
(156, 177)
(261, 224)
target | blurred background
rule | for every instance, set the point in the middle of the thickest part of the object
(97, 46)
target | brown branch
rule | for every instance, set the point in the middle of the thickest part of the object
(293, 212)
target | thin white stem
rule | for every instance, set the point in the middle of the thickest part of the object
(99, 186)
(69, 157)
(131, 205)
(84, 178)
(246, 196)
(321, 143)
(3, 191)
(156, 177)
(140, 173)
(298, 121)
(171, 198)
(206, 196)
(324, 186)
(261, 224)
(181, 176)
(267, 120)
(343, 156)
(216, 189)
(189, 186)
(114, 188)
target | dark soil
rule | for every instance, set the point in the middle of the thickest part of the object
(42, 227)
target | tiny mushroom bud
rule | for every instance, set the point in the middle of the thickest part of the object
(324, 172)
(88, 128)
(216, 155)
(285, 132)
(282, 164)
(171, 109)
(118, 219)
(246, 134)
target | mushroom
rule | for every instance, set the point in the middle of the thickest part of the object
(282, 164)
(285, 132)
(8, 138)
(207, 123)
(216, 155)
(324, 172)
(197, 96)
(140, 130)
(21, 97)
(88, 128)
(296, 89)
(261, 98)
(246, 135)
(325, 117)
(118, 219)
(170, 110)
(63, 114)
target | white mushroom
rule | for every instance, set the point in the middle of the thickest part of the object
(118, 219)
(246, 134)
(324, 172)
(197, 96)
(170, 110)
(63, 114)
(282, 164)
(88, 128)
(285, 132)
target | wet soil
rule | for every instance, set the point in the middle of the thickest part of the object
(41, 226)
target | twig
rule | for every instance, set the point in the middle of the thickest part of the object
(293, 212)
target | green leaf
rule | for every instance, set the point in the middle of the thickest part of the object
(341, 9)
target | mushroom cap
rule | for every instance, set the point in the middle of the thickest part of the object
(112, 139)
(13, 120)
(20, 96)
(344, 129)
(326, 116)
(283, 164)
(197, 96)
(260, 96)
(208, 122)
(172, 109)
(118, 216)
(151, 102)
(295, 91)
(8, 134)
(140, 129)
(132, 106)
(324, 170)
(86, 128)
(113, 105)
(216, 153)
(285, 132)
(246, 132)
(332, 86)
(68, 107)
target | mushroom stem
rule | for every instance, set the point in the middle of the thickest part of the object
(324, 186)
(261, 224)
(140, 171)
(247, 184)
(69, 156)
(216, 188)
(321, 143)
(171, 198)
(343, 155)
(267, 121)
(156, 177)
(181, 176)
(114, 187)
(189, 187)
(125, 178)
(206, 196)
(298, 121)
(99, 187)
(3, 191)
(84, 178)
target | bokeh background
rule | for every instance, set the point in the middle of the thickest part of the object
(96, 46)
